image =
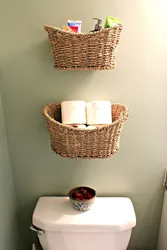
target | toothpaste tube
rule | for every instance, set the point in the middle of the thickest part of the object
(75, 25)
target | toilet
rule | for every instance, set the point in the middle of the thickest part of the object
(106, 226)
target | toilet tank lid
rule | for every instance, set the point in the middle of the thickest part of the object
(107, 214)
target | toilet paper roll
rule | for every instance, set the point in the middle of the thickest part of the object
(73, 112)
(76, 126)
(99, 112)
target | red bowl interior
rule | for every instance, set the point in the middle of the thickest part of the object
(82, 193)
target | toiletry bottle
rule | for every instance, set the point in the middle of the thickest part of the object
(98, 25)
(111, 22)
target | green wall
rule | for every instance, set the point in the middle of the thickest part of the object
(8, 207)
(28, 82)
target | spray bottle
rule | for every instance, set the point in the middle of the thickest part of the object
(98, 25)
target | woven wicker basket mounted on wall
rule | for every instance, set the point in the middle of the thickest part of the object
(83, 143)
(91, 51)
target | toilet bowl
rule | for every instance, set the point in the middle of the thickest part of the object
(107, 225)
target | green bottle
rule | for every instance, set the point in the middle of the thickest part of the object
(111, 22)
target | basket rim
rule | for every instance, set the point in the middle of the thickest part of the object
(53, 28)
(123, 118)
(85, 68)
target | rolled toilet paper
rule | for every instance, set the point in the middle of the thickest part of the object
(99, 112)
(76, 126)
(73, 112)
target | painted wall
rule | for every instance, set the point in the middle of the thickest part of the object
(8, 207)
(28, 82)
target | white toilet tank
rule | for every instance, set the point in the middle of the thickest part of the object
(106, 226)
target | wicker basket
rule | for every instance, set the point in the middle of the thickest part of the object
(83, 143)
(92, 51)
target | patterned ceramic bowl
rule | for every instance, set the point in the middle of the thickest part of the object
(82, 198)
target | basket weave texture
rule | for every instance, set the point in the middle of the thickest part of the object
(79, 51)
(83, 143)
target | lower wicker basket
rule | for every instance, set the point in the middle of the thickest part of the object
(75, 143)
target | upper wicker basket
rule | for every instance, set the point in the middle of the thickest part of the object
(83, 143)
(79, 51)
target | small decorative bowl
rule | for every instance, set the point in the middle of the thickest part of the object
(82, 198)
